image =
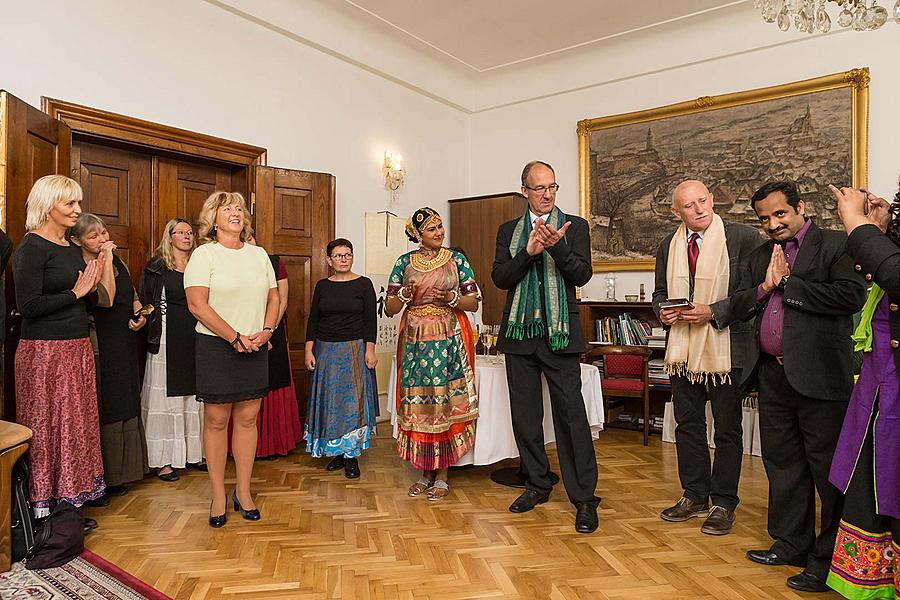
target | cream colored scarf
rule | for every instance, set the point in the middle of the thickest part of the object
(701, 353)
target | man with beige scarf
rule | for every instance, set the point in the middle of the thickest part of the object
(700, 261)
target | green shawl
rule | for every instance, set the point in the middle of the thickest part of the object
(863, 336)
(526, 319)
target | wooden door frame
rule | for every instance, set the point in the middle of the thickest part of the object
(93, 122)
(102, 126)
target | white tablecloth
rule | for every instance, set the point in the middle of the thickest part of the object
(494, 439)
(750, 421)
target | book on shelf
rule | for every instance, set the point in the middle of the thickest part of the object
(622, 330)
(656, 369)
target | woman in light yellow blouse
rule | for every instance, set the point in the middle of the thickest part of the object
(231, 290)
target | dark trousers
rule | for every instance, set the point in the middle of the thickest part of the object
(799, 435)
(698, 481)
(574, 445)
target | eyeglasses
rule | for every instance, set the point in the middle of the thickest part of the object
(553, 187)
(187, 233)
(347, 256)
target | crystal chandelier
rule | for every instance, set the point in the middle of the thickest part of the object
(811, 16)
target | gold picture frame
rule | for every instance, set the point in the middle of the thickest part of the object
(855, 82)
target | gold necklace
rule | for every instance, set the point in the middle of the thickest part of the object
(421, 263)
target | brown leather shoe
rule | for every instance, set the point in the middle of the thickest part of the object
(719, 521)
(685, 509)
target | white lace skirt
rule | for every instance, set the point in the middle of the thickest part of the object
(173, 424)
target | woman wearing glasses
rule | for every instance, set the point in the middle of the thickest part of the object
(169, 407)
(340, 352)
(436, 399)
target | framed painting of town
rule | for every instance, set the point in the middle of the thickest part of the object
(812, 132)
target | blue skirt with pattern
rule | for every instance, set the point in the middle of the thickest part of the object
(343, 400)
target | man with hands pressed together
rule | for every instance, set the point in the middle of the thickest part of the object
(803, 291)
(700, 262)
(540, 258)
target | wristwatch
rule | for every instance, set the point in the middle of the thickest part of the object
(783, 281)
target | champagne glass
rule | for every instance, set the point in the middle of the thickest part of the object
(489, 339)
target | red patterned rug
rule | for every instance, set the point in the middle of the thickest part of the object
(88, 577)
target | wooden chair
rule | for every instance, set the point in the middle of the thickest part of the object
(626, 375)
(14, 440)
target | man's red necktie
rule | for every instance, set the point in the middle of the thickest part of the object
(693, 253)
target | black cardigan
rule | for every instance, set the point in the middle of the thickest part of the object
(151, 287)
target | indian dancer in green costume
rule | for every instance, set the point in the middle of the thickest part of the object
(436, 400)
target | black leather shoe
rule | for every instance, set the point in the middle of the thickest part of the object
(116, 490)
(89, 525)
(685, 509)
(351, 468)
(807, 582)
(527, 501)
(250, 515)
(218, 520)
(770, 559)
(336, 463)
(170, 476)
(586, 520)
(98, 502)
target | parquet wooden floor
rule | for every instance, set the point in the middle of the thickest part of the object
(323, 536)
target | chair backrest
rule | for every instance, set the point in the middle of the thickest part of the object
(624, 365)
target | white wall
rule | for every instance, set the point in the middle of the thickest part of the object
(726, 51)
(321, 92)
(191, 64)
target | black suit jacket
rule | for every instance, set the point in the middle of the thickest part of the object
(740, 240)
(572, 255)
(878, 257)
(820, 298)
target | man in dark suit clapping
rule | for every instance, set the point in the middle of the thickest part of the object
(802, 291)
(540, 258)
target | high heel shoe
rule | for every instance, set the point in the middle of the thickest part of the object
(250, 515)
(218, 520)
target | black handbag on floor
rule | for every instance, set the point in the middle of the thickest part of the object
(22, 526)
(60, 539)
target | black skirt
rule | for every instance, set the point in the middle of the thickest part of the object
(279, 362)
(225, 375)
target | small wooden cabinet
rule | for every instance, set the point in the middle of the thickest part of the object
(473, 228)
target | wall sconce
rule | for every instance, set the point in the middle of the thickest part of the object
(394, 173)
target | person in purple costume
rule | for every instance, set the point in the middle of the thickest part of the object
(866, 463)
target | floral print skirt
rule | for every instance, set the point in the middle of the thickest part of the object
(865, 560)
(56, 397)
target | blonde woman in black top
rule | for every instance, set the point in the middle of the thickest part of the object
(56, 390)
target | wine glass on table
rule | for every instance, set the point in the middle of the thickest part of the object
(489, 338)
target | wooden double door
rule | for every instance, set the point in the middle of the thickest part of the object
(136, 190)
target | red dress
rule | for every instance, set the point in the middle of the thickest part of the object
(278, 421)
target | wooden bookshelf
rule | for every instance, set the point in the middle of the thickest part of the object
(660, 390)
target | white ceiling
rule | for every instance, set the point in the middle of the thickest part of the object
(489, 34)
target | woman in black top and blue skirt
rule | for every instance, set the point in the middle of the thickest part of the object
(340, 352)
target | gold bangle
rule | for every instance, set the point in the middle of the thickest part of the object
(403, 298)
(455, 301)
